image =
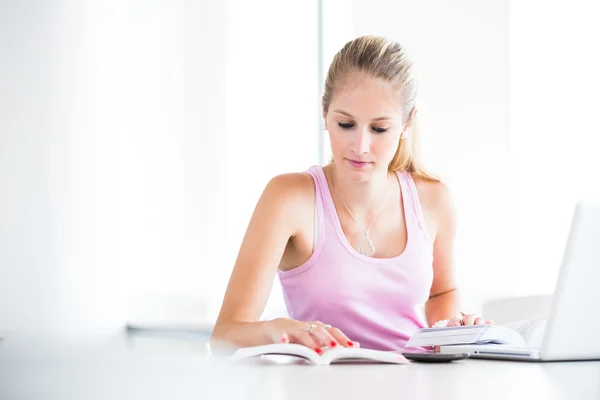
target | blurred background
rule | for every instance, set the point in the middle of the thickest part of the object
(137, 136)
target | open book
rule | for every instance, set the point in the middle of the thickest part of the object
(527, 332)
(329, 356)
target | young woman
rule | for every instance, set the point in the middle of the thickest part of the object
(360, 244)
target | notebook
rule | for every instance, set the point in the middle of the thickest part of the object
(526, 332)
(329, 356)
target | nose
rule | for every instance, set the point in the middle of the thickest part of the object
(362, 142)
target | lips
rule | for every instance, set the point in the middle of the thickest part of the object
(358, 164)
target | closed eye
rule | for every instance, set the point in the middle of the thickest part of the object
(350, 126)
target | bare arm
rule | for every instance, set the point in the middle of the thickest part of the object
(268, 232)
(443, 300)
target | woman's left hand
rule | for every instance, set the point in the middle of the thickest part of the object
(469, 319)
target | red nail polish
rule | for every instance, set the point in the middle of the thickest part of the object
(350, 344)
(332, 344)
(319, 351)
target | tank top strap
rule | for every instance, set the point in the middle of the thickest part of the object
(319, 178)
(412, 206)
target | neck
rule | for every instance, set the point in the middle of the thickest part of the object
(363, 198)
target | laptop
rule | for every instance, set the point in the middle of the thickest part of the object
(573, 328)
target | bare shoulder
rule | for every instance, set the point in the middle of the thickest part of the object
(292, 186)
(432, 193)
(436, 201)
(293, 192)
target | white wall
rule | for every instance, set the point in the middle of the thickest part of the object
(135, 140)
(555, 132)
(461, 54)
(59, 109)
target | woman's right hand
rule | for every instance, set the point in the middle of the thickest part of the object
(313, 334)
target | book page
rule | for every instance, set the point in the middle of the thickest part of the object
(467, 334)
(285, 349)
(339, 354)
(532, 329)
(360, 355)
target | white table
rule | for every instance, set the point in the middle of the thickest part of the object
(150, 367)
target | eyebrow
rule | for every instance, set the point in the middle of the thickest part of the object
(350, 115)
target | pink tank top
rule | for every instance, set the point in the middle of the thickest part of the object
(374, 301)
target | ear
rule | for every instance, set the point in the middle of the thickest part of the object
(411, 120)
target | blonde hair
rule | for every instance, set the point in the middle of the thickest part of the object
(385, 59)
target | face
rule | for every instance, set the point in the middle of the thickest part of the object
(365, 124)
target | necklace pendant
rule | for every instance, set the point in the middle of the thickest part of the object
(369, 243)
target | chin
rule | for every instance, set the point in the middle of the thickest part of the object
(357, 174)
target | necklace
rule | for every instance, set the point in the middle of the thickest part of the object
(366, 239)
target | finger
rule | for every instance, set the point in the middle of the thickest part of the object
(468, 319)
(280, 337)
(341, 338)
(478, 321)
(489, 322)
(323, 337)
(454, 322)
(306, 339)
